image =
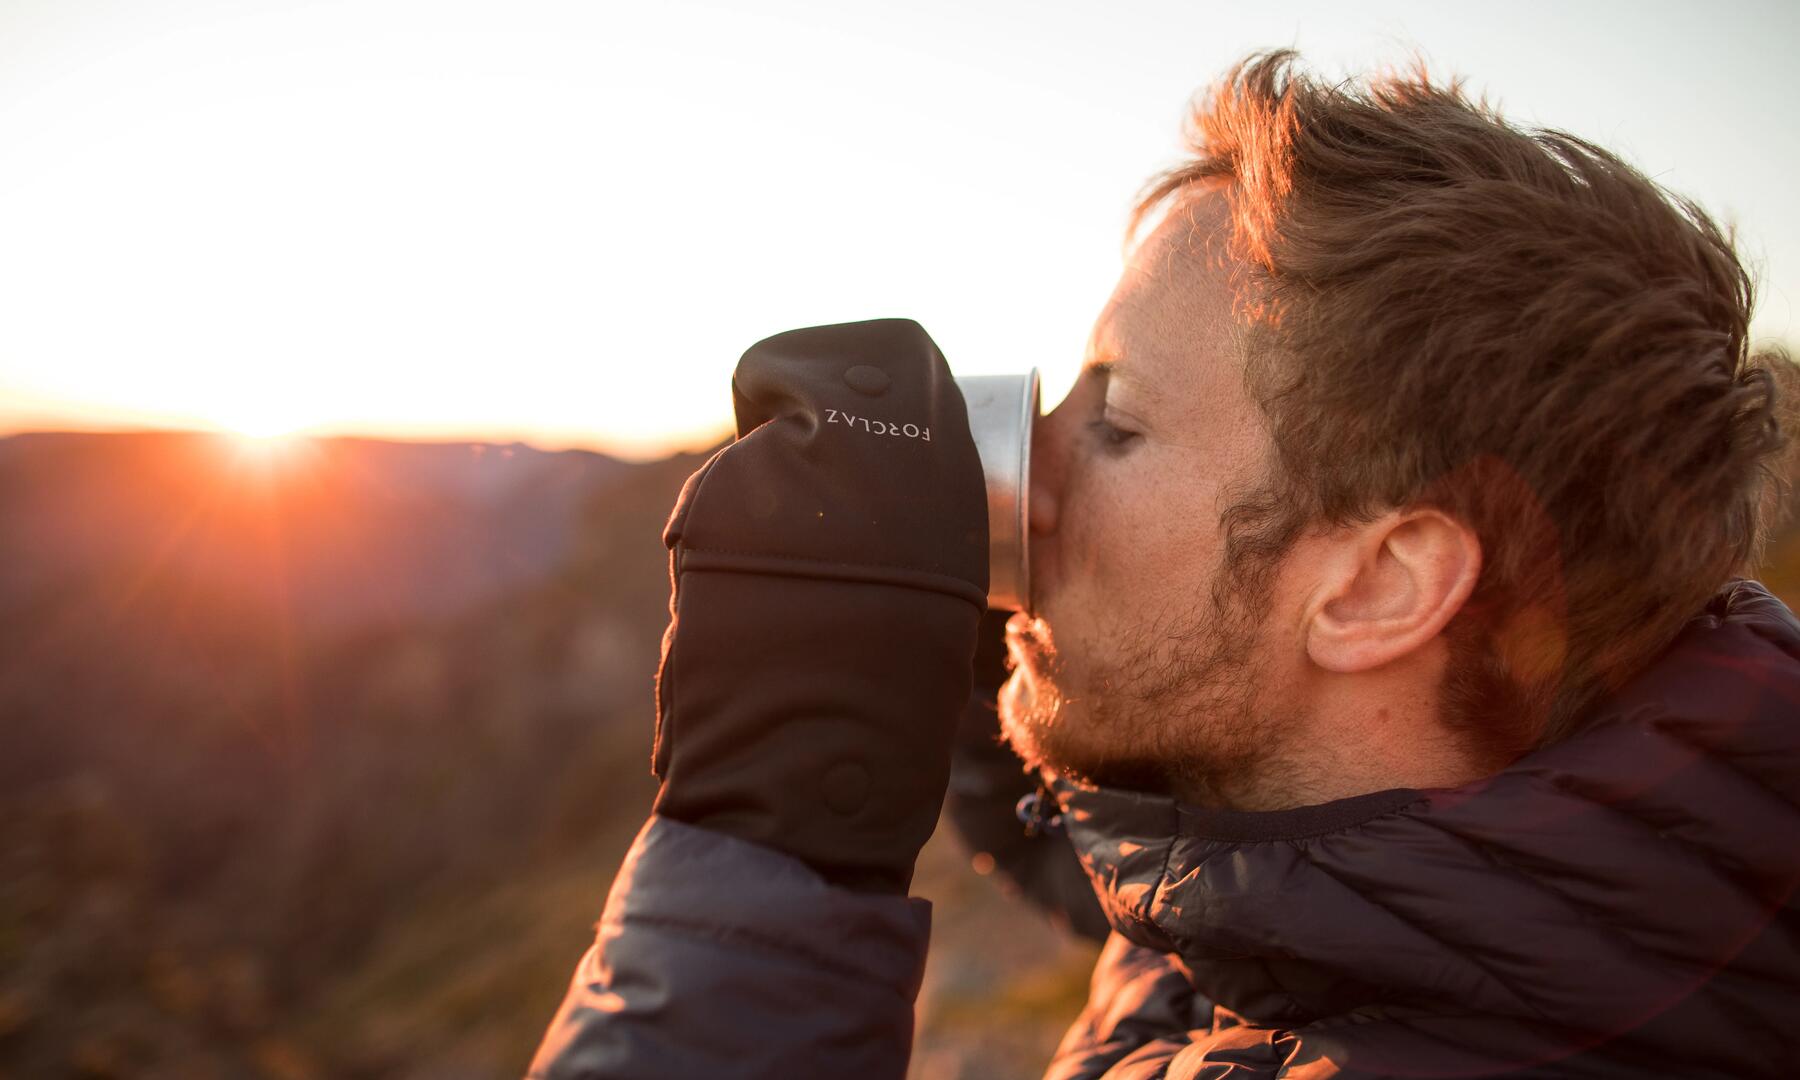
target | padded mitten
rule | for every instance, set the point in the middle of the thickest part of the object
(829, 570)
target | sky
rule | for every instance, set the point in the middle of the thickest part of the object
(561, 222)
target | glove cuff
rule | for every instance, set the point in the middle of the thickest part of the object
(813, 715)
(906, 577)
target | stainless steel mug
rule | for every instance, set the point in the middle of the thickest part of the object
(1002, 409)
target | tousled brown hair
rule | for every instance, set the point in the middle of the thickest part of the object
(1442, 309)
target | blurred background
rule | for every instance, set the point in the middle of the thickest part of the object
(352, 353)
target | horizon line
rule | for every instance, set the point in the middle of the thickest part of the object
(621, 450)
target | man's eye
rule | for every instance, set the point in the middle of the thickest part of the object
(1113, 438)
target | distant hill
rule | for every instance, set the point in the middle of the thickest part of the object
(255, 713)
(332, 531)
(319, 766)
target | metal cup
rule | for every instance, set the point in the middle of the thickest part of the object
(1001, 410)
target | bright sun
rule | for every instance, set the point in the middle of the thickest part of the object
(266, 417)
(257, 440)
(271, 444)
(262, 431)
(267, 455)
(268, 434)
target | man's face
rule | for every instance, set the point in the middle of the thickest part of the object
(1130, 674)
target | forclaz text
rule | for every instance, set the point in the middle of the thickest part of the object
(878, 427)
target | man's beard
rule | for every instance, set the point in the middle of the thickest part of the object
(1171, 708)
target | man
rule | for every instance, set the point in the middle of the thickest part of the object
(1385, 658)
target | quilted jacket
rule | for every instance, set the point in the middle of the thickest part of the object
(1621, 904)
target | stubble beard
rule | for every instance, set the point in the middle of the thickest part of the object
(1170, 708)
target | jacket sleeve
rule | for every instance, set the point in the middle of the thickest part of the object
(1145, 1021)
(718, 957)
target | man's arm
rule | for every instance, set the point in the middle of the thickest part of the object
(717, 957)
(829, 571)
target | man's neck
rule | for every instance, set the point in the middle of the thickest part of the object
(1351, 752)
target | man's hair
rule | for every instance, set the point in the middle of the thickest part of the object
(1439, 308)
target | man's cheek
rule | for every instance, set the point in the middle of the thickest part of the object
(1084, 633)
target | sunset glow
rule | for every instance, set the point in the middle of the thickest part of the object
(263, 422)
(264, 445)
(563, 222)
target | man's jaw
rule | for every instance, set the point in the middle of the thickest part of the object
(1050, 732)
(1075, 737)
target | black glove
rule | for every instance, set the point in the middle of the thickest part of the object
(830, 569)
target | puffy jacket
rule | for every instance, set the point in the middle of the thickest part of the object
(1619, 904)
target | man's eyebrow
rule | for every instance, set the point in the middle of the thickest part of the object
(1109, 367)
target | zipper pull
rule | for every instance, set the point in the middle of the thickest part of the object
(1035, 811)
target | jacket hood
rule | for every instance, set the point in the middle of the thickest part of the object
(1635, 882)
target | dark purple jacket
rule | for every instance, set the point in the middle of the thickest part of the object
(1622, 904)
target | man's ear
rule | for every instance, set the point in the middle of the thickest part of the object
(1390, 587)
